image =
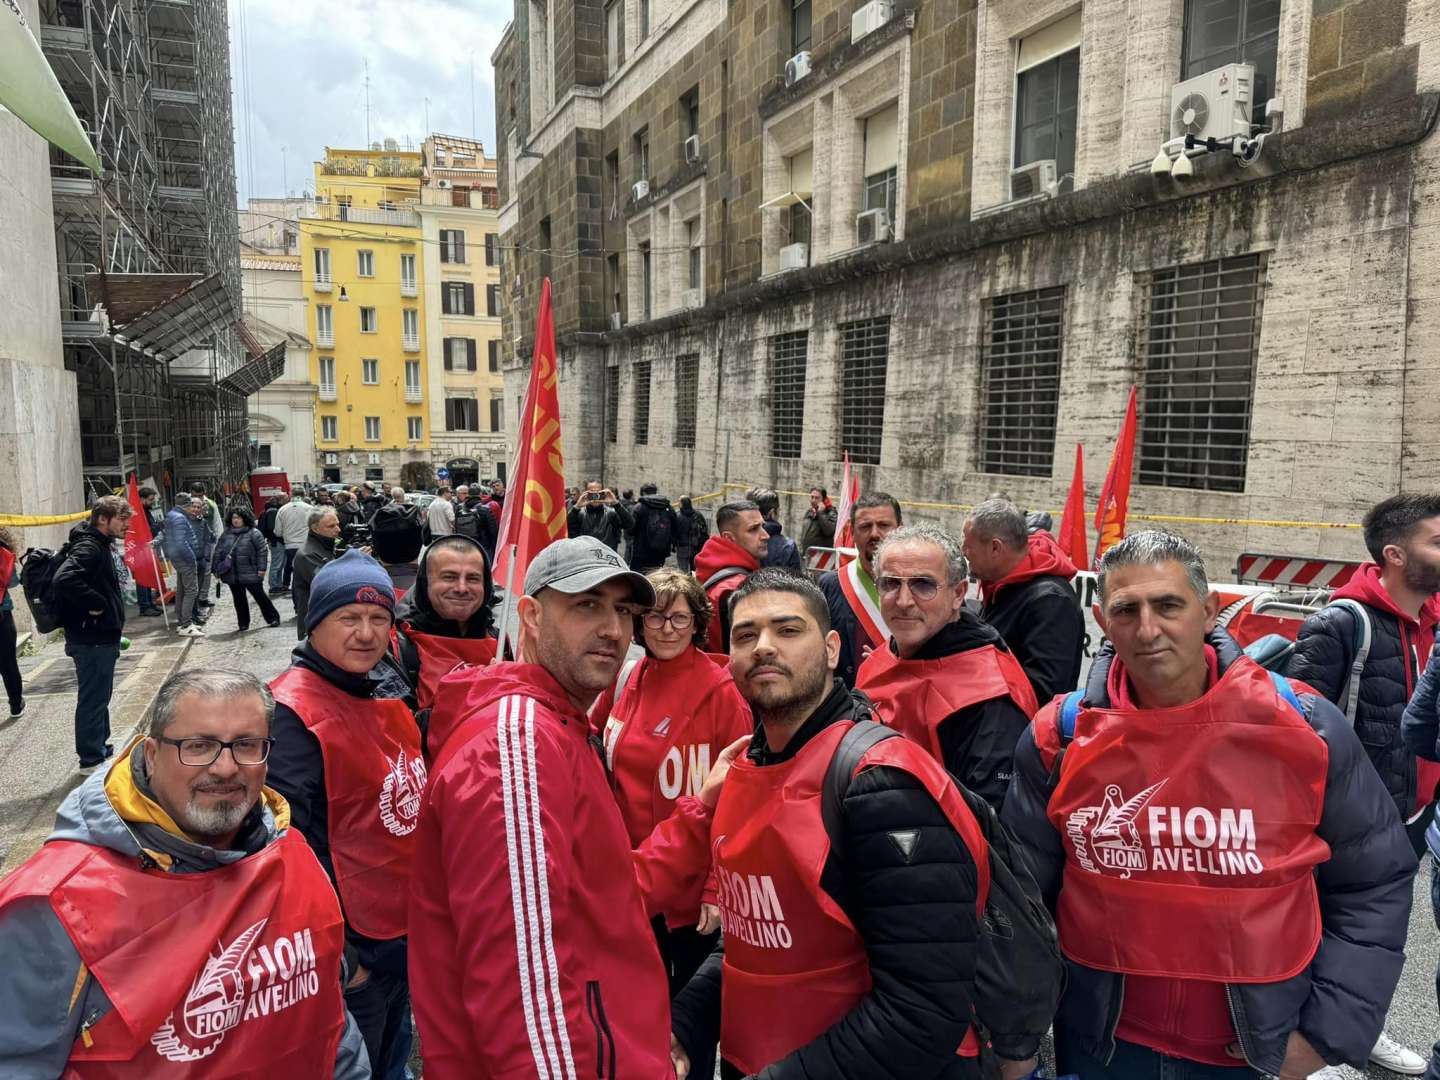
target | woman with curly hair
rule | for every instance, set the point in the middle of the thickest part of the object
(9, 582)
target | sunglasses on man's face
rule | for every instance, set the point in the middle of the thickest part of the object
(921, 588)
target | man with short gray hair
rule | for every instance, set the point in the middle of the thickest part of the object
(944, 679)
(323, 525)
(1026, 595)
(1230, 880)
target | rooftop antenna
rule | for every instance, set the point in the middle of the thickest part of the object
(472, 95)
(427, 116)
(284, 173)
(367, 104)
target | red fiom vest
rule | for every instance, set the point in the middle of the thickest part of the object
(439, 656)
(915, 696)
(374, 780)
(794, 962)
(224, 974)
(1189, 834)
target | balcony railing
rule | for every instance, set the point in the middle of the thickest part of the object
(413, 395)
(412, 344)
(327, 391)
(358, 214)
(409, 288)
(325, 339)
(322, 284)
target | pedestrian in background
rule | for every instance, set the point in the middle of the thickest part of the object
(183, 552)
(440, 516)
(820, 521)
(291, 524)
(208, 526)
(148, 600)
(9, 666)
(240, 560)
(92, 612)
(782, 550)
(694, 531)
(324, 528)
(277, 546)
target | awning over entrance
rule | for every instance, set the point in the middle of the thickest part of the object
(163, 314)
(258, 372)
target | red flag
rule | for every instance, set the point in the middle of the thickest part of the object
(1073, 540)
(139, 555)
(849, 495)
(534, 514)
(1115, 495)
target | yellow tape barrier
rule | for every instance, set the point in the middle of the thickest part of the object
(1173, 519)
(23, 520)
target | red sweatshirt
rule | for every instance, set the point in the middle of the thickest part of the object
(1045, 558)
(718, 553)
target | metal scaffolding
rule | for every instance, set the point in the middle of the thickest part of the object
(150, 82)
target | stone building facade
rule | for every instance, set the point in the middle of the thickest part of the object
(1271, 310)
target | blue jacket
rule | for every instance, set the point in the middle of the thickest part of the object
(1339, 1002)
(782, 550)
(180, 542)
(1420, 731)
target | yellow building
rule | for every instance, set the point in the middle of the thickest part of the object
(360, 249)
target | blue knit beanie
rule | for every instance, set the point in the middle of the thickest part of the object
(353, 578)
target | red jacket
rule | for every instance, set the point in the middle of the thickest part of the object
(719, 553)
(531, 951)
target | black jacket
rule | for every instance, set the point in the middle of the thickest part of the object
(917, 919)
(86, 582)
(248, 553)
(608, 524)
(266, 524)
(1040, 620)
(414, 610)
(781, 551)
(318, 550)
(978, 742)
(819, 528)
(476, 520)
(1339, 1002)
(844, 623)
(694, 530)
(649, 556)
(297, 771)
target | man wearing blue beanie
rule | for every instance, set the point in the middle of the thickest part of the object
(347, 756)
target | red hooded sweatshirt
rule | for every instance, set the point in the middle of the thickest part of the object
(719, 553)
(531, 952)
(1044, 559)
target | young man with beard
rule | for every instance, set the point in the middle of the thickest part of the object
(850, 942)
(1230, 881)
(722, 565)
(945, 679)
(445, 623)
(531, 945)
(851, 592)
(110, 931)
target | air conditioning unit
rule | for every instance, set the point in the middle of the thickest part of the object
(692, 149)
(1215, 105)
(615, 322)
(641, 190)
(442, 184)
(870, 18)
(796, 68)
(1037, 178)
(794, 256)
(872, 226)
(332, 459)
(374, 459)
(692, 298)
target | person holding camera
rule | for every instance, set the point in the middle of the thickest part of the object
(600, 514)
(319, 549)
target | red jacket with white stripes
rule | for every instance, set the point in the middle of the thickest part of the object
(531, 953)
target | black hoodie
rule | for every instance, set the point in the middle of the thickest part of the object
(414, 611)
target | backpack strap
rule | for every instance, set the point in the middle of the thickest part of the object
(725, 573)
(1363, 635)
(1069, 712)
(1286, 691)
(855, 744)
(723, 614)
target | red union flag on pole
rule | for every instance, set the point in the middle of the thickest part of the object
(849, 493)
(1115, 495)
(534, 515)
(1073, 540)
(139, 555)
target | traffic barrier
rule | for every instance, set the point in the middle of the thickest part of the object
(1295, 571)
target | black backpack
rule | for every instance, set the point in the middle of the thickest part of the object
(37, 573)
(658, 529)
(1019, 972)
(467, 522)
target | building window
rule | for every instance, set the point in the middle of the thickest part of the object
(881, 161)
(328, 426)
(696, 251)
(325, 323)
(1047, 98)
(545, 240)
(612, 404)
(462, 414)
(612, 267)
(864, 357)
(415, 428)
(370, 372)
(687, 393)
(452, 245)
(799, 26)
(327, 373)
(641, 428)
(497, 414)
(410, 326)
(644, 19)
(614, 36)
(642, 154)
(262, 455)
(365, 263)
(788, 355)
(369, 321)
(1020, 382)
(490, 239)
(492, 300)
(612, 181)
(1198, 344)
(407, 272)
(412, 376)
(494, 349)
(457, 298)
(342, 206)
(322, 266)
(375, 472)
(690, 109)
(645, 276)
(372, 429)
(460, 195)
(1220, 32)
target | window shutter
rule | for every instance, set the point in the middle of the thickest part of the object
(444, 245)
(448, 366)
(489, 249)
(469, 298)
(470, 354)
(459, 246)
(494, 355)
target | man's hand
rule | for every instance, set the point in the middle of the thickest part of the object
(709, 919)
(1016, 1070)
(679, 1058)
(360, 978)
(710, 792)
(1301, 1058)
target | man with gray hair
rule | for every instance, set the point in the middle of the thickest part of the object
(291, 526)
(1026, 594)
(323, 525)
(1230, 880)
(944, 679)
(248, 978)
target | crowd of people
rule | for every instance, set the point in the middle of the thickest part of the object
(722, 814)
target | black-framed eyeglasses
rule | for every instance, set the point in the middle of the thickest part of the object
(199, 752)
(922, 588)
(680, 620)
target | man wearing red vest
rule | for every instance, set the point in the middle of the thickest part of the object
(175, 924)
(1230, 881)
(444, 623)
(727, 559)
(348, 758)
(851, 928)
(1025, 588)
(945, 679)
(531, 949)
(850, 591)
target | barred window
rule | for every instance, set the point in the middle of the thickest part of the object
(641, 373)
(1199, 339)
(1020, 382)
(612, 404)
(788, 355)
(864, 356)
(687, 392)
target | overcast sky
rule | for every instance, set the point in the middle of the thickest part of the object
(305, 63)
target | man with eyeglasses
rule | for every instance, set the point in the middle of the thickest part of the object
(174, 916)
(945, 679)
(348, 758)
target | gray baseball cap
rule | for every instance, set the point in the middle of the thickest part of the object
(580, 564)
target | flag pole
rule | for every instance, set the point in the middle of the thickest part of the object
(508, 607)
(161, 579)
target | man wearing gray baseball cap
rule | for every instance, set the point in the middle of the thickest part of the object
(531, 951)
